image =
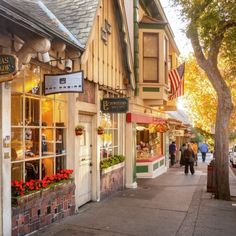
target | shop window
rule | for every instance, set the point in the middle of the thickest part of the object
(47, 167)
(109, 141)
(149, 142)
(60, 140)
(38, 134)
(31, 170)
(60, 113)
(31, 142)
(17, 172)
(47, 142)
(47, 108)
(32, 111)
(17, 108)
(17, 144)
(60, 163)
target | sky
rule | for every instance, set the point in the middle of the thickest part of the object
(177, 26)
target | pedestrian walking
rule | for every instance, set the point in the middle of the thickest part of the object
(172, 153)
(182, 148)
(195, 150)
(203, 147)
(189, 159)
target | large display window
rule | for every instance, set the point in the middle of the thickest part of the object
(149, 142)
(39, 126)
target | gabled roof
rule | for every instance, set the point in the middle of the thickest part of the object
(150, 20)
(34, 14)
(77, 15)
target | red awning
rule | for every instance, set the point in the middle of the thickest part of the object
(144, 119)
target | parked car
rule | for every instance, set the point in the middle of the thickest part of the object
(232, 156)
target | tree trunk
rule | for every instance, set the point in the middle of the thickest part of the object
(224, 108)
(221, 149)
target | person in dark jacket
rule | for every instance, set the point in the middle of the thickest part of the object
(172, 153)
(189, 159)
(182, 148)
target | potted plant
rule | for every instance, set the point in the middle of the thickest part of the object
(100, 130)
(79, 130)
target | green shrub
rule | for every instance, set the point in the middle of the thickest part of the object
(111, 161)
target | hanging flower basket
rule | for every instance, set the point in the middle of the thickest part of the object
(100, 130)
(79, 130)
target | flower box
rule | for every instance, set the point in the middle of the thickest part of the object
(112, 180)
(38, 209)
(112, 168)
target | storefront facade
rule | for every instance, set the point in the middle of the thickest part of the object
(155, 53)
(108, 73)
(150, 144)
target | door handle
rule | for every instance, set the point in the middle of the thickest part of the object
(90, 164)
(83, 159)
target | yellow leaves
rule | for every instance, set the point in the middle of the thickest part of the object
(200, 97)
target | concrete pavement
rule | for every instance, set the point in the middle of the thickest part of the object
(171, 204)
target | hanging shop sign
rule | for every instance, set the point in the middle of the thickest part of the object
(8, 64)
(63, 83)
(114, 105)
(177, 132)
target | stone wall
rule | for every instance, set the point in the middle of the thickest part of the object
(112, 180)
(42, 208)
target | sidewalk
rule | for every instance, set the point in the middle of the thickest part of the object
(172, 204)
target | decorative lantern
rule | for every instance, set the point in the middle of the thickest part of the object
(162, 128)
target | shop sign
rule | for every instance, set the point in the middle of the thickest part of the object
(7, 64)
(63, 83)
(114, 105)
(177, 132)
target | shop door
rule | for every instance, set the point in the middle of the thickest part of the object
(85, 161)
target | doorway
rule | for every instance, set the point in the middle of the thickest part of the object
(85, 161)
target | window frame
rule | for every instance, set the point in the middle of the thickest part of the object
(151, 57)
(54, 128)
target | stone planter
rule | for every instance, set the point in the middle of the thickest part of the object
(112, 180)
(42, 208)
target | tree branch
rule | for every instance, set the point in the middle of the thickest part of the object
(192, 34)
(217, 41)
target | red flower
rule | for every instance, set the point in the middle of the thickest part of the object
(19, 188)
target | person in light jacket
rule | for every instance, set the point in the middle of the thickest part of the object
(204, 150)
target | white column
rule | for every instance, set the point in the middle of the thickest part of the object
(130, 153)
(5, 161)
